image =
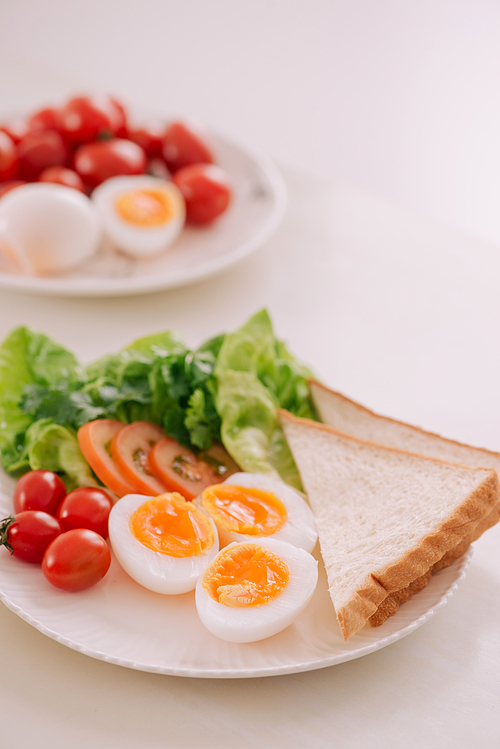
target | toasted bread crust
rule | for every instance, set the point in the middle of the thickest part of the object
(391, 604)
(465, 522)
(488, 454)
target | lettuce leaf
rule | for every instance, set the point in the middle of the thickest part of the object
(28, 358)
(254, 375)
(54, 448)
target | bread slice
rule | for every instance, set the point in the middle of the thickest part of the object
(385, 517)
(350, 417)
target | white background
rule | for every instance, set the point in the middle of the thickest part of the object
(399, 98)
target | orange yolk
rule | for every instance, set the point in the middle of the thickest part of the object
(145, 208)
(244, 510)
(171, 525)
(245, 575)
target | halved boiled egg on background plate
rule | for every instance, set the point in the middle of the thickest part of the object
(47, 228)
(141, 215)
(251, 506)
(254, 590)
(164, 543)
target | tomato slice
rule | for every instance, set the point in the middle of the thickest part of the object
(181, 470)
(94, 439)
(130, 449)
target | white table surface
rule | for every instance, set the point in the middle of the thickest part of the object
(398, 313)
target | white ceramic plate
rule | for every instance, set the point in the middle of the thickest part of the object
(120, 622)
(259, 200)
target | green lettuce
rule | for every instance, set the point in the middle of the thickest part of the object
(28, 359)
(226, 390)
(255, 374)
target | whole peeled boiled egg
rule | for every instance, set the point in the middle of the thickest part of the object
(251, 506)
(141, 215)
(164, 543)
(48, 228)
(254, 590)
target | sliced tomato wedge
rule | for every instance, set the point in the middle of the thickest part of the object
(130, 449)
(95, 439)
(183, 471)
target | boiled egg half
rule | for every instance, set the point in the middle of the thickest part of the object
(251, 506)
(47, 228)
(141, 215)
(254, 590)
(164, 543)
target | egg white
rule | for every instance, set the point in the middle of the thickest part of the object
(139, 241)
(48, 228)
(252, 623)
(299, 528)
(154, 570)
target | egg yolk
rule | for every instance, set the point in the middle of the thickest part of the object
(171, 525)
(145, 207)
(244, 510)
(245, 575)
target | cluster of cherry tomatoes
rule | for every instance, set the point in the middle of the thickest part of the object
(65, 533)
(90, 139)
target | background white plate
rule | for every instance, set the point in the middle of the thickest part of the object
(121, 622)
(259, 200)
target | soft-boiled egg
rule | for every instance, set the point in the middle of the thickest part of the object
(141, 215)
(164, 543)
(250, 506)
(254, 590)
(48, 228)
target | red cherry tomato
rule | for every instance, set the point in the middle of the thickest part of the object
(61, 175)
(38, 150)
(149, 137)
(94, 439)
(83, 118)
(121, 125)
(130, 448)
(28, 534)
(8, 186)
(96, 162)
(206, 190)
(15, 129)
(39, 490)
(184, 145)
(86, 507)
(8, 158)
(180, 470)
(76, 560)
(44, 119)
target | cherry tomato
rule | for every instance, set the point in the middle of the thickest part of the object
(77, 559)
(96, 162)
(8, 158)
(150, 137)
(184, 145)
(39, 490)
(38, 150)
(28, 534)
(44, 119)
(94, 439)
(86, 507)
(84, 118)
(206, 190)
(121, 126)
(130, 448)
(8, 186)
(15, 129)
(61, 175)
(181, 470)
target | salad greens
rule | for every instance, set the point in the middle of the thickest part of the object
(228, 389)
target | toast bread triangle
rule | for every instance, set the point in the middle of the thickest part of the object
(385, 516)
(352, 418)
